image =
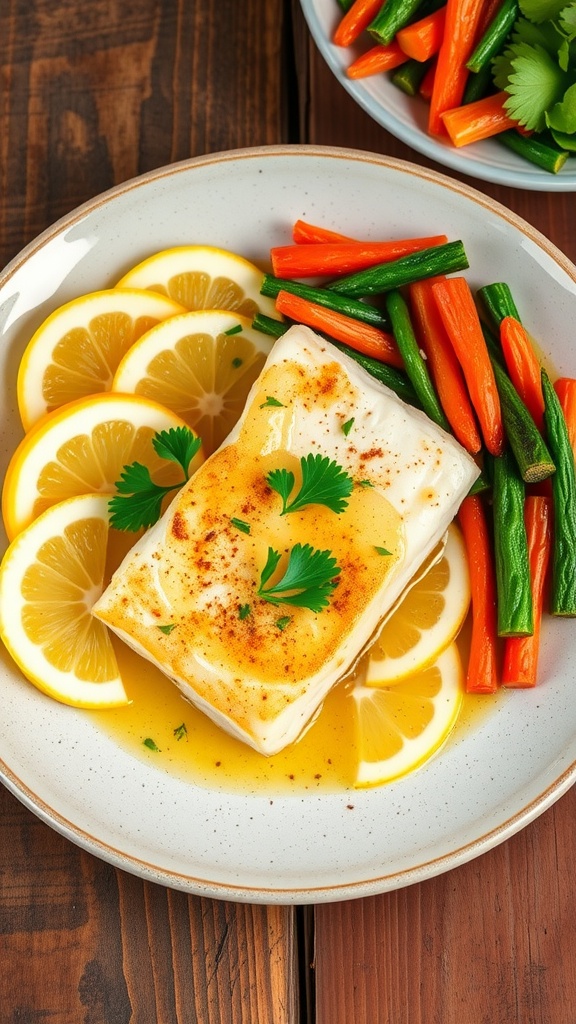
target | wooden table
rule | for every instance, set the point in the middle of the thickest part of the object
(90, 95)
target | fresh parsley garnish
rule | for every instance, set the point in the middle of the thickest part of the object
(282, 622)
(240, 524)
(243, 611)
(272, 402)
(234, 330)
(324, 482)
(138, 500)
(180, 732)
(167, 629)
(347, 427)
(151, 744)
(382, 551)
(309, 579)
(365, 483)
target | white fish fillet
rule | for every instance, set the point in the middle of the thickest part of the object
(196, 572)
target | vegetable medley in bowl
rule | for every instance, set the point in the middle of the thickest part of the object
(487, 87)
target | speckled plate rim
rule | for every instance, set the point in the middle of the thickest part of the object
(400, 115)
(424, 867)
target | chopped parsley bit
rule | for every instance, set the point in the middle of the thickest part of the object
(148, 742)
(240, 524)
(237, 329)
(167, 629)
(347, 427)
(324, 482)
(283, 622)
(382, 551)
(181, 732)
(271, 401)
(309, 579)
(138, 500)
(365, 483)
(243, 611)
(236, 362)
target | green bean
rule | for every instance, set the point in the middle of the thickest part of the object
(438, 259)
(413, 362)
(563, 590)
(515, 608)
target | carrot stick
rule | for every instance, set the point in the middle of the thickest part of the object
(523, 367)
(444, 367)
(565, 388)
(336, 258)
(462, 20)
(479, 120)
(423, 38)
(460, 317)
(376, 60)
(356, 19)
(427, 83)
(482, 671)
(520, 663)
(304, 233)
(364, 338)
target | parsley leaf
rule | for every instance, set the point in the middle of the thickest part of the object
(309, 579)
(272, 402)
(324, 482)
(138, 500)
(536, 84)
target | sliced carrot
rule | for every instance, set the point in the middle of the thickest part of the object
(520, 665)
(523, 367)
(479, 120)
(376, 60)
(304, 233)
(565, 388)
(336, 258)
(443, 364)
(460, 317)
(482, 670)
(422, 39)
(427, 83)
(364, 338)
(356, 19)
(462, 21)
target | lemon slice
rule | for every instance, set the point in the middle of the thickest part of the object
(82, 448)
(201, 365)
(400, 726)
(75, 351)
(203, 277)
(427, 619)
(50, 577)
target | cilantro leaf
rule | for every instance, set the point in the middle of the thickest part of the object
(138, 500)
(562, 117)
(309, 579)
(534, 86)
(541, 10)
(324, 482)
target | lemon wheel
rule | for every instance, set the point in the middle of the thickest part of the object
(50, 577)
(201, 365)
(76, 350)
(400, 725)
(203, 277)
(81, 449)
(427, 619)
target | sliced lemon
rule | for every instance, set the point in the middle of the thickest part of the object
(427, 619)
(201, 365)
(203, 277)
(50, 577)
(75, 351)
(399, 726)
(82, 448)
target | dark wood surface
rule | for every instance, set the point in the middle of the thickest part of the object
(90, 95)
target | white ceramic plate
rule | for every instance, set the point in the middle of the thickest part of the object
(405, 117)
(498, 773)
